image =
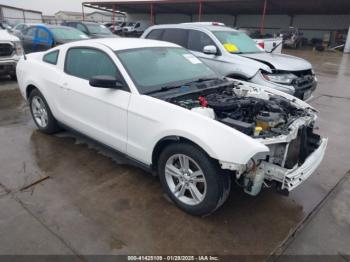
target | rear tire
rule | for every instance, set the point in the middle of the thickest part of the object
(192, 179)
(41, 113)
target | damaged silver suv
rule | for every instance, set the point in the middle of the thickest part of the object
(234, 54)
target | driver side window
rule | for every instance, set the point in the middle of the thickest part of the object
(86, 63)
(197, 40)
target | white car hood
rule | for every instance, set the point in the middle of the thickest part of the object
(281, 62)
(6, 36)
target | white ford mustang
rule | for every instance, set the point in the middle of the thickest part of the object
(162, 107)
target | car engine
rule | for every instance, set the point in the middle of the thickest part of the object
(253, 116)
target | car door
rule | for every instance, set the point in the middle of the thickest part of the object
(100, 113)
(28, 39)
(197, 40)
(43, 40)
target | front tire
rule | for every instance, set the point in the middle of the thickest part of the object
(192, 179)
(41, 113)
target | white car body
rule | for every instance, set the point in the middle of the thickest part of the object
(143, 121)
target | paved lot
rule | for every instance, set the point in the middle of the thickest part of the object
(93, 203)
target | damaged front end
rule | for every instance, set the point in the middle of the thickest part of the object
(284, 125)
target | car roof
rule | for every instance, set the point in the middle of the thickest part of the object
(57, 26)
(196, 26)
(48, 26)
(121, 43)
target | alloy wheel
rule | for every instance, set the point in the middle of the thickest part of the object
(39, 112)
(185, 179)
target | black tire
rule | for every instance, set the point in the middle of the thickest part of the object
(218, 183)
(51, 126)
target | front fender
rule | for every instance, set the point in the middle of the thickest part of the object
(218, 143)
(160, 119)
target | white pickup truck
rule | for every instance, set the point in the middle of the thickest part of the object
(10, 52)
(268, 42)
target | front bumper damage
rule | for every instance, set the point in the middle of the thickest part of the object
(289, 163)
(289, 179)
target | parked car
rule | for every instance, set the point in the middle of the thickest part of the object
(115, 27)
(234, 54)
(92, 29)
(135, 28)
(5, 25)
(158, 111)
(10, 52)
(42, 37)
(21, 27)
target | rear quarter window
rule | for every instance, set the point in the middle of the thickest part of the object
(155, 34)
(176, 36)
(51, 57)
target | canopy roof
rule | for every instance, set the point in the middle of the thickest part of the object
(232, 7)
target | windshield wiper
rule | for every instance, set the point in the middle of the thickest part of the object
(167, 88)
(163, 89)
(200, 80)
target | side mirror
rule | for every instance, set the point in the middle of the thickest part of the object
(106, 81)
(210, 50)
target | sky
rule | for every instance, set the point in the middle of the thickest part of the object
(48, 7)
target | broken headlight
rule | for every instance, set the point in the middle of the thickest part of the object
(285, 78)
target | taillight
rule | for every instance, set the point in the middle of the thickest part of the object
(262, 45)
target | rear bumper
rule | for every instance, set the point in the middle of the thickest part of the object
(292, 178)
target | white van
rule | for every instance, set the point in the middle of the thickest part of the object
(135, 28)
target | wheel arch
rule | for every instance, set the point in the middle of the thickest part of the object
(166, 141)
(29, 89)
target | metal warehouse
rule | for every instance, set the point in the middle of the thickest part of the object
(314, 17)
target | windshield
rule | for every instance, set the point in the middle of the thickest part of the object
(68, 34)
(98, 29)
(162, 67)
(237, 42)
(131, 24)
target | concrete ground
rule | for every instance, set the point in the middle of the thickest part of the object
(94, 203)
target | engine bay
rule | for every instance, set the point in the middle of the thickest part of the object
(254, 116)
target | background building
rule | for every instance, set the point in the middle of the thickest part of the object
(97, 16)
(102, 17)
(14, 15)
(68, 16)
